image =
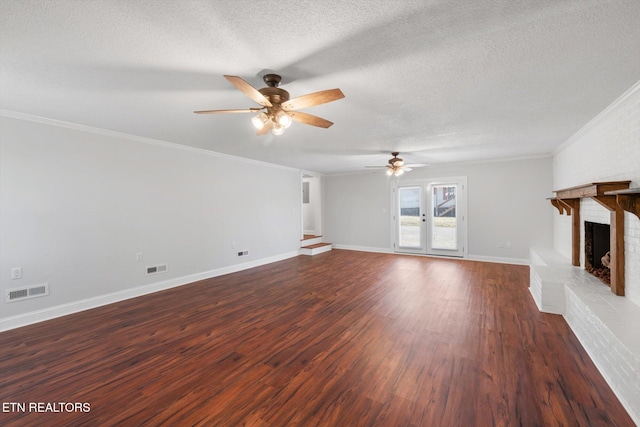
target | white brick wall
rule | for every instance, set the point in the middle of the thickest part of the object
(606, 149)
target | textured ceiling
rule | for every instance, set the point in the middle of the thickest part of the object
(439, 81)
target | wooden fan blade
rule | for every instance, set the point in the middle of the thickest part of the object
(309, 119)
(249, 90)
(247, 110)
(312, 99)
(266, 128)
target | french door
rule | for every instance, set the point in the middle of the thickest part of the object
(430, 217)
(410, 219)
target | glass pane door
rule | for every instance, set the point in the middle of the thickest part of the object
(445, 234)
(410, 219)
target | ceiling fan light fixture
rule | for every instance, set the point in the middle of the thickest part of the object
(283, 119)
(396, 166)
(259, 121)
(277, 103)
(277, 129)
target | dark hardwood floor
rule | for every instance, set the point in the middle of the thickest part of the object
(339, 339)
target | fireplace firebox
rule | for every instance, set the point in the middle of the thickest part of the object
(597, 240)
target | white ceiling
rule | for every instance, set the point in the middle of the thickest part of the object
(440, 81)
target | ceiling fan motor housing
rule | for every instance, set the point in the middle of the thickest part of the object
(275, 95)
(395, 159)
(272, 80)
(272, 92)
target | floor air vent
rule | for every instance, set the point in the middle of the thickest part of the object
(19, 294)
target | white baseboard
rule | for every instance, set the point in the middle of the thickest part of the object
(86, 304)
(499, 260)
(363, 248)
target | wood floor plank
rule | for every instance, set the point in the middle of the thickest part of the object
(341, 338)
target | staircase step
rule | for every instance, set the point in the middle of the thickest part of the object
(315, 249)
(310, 236)
(309, 240)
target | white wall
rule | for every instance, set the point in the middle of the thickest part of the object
(607, 149)
(506, 202)
(79, 204)
(356, 210)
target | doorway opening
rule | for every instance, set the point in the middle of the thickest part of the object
(311, 205)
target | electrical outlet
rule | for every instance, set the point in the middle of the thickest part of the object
(500, 245)
(139, 257)
(507, 244)
(16, 273)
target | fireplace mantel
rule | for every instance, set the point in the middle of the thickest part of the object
(605, 193)
(628, 199)
(594, 189)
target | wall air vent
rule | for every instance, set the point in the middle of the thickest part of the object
(162, 268)
(19, 294)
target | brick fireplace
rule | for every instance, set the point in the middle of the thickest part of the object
(606, 194)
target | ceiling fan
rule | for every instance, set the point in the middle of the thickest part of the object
(278, 109)
(396, 165)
